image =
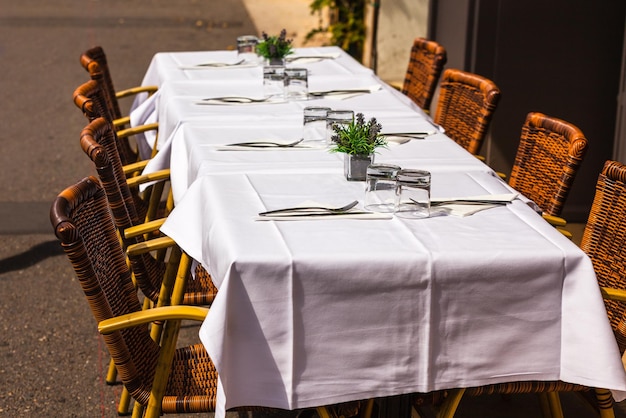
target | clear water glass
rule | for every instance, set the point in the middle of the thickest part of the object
(315, 123)
(246, 47)
(413, 194)
(274, 80)
(380, 187)
(296, 83)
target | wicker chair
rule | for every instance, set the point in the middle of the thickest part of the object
(88, 97)
(91, 99)
(548, 157)
(98, 142)
(465, 107)
(161, 377)
(154, 275)
(422, 75)
(94, 60)
(602, 240)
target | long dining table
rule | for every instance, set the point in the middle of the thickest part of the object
(320, 310)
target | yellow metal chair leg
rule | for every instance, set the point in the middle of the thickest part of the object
(544, 404)
(451, 404)
(322, 412)
(368, 409)
(124, 405)
(168, 341)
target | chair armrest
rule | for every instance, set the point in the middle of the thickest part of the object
(144, 228)
(125, 120)
(135, 167)
(565, 232)
(164, 313)
(125, 133)
(146, 178)
(554, 220)
(613, 294)
(135, 90)
(155, 244)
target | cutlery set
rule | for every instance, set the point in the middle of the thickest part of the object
(266, 144)
(304, 211)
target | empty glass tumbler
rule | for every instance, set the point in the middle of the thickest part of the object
(315, 123)
(413, 194)
(296, 83)
(380, 188)
(246, 47)
(274, 80)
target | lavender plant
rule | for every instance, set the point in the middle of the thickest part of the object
(272, 47)
(360, 137)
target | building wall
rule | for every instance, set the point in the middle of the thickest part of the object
(399, 22)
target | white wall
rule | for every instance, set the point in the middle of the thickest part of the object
(399, 22)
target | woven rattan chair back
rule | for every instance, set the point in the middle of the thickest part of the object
(81, 219)
(422, 75)
(90, 99)
(604, 239)
(94, 60)
(465, 107)
(548, 157)
(98, 141)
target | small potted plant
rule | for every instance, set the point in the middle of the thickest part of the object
(274, 49)
(358, 140)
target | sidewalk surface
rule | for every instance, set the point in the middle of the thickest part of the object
(52, 360)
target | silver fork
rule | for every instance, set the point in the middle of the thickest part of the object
(237, 99)
(265, 144)
(220, 64)
(312, 209)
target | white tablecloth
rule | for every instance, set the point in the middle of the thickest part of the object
(325, 311)
(317, 312)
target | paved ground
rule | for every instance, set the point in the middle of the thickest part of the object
(52, 361)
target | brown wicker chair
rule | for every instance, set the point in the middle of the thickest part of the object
(88, 97)
(154, 275)
(91, 99)
(602, 241)
(465, 107)
(422, 75)
(98, 142)
(548, 157)
(94, 60)
(161, 377)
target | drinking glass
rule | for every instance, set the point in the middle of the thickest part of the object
(380, 188)
(337, 117)
(413, 194)
(296, 83)
(274, 80)
(246, 47)
(315, 123)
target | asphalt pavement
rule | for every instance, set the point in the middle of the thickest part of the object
(52, 360)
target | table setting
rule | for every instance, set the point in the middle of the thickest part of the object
(414, 277)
